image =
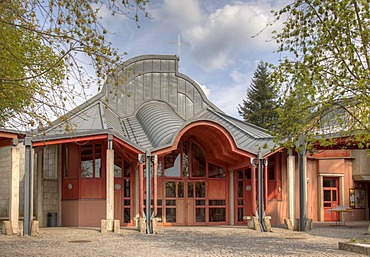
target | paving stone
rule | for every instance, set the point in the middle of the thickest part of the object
(322, 240)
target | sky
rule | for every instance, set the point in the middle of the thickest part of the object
(221, 47)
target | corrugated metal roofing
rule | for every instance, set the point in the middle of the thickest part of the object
(159, 122)
(152, 106)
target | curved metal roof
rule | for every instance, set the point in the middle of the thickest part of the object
(154, 103)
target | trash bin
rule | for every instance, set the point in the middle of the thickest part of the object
(52, 219)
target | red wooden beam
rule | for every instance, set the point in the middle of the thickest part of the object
(69, 140)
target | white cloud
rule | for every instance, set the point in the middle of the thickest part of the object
(179, 13)
(227, 30)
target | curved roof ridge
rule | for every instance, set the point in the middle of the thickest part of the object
(159, 122)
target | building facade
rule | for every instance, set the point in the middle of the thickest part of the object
(91, 165)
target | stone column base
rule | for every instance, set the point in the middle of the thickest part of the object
(142, 225)
(34, 227)
(110, 226)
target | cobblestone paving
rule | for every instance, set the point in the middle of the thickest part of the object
(185, 241)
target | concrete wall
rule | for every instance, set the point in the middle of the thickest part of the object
(5, 172)
(5, 165)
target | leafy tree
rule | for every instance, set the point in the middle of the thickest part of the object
(323, 77)
(46, 50)
(260, 106)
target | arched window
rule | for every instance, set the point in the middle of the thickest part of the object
(198, 161)
(172, 164)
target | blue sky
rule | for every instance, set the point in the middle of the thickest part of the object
(222, 53)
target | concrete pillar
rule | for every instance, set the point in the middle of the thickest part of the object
(291, 188)
(341, 190)
(110, 189)
(40, 189)
(14, 190)
(321, 198)
(231, 197)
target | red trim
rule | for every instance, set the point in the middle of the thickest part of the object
(8, 135)
(70, 140)
(227, 135)
(124, 144)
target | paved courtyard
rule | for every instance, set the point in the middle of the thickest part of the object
(186, 241)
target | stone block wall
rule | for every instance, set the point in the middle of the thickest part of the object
(50, 199)
(5, 166)
(50, 182)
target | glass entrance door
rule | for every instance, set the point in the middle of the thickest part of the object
(185, 202)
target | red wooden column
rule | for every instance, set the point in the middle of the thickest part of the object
(254, 189)
(141, 189)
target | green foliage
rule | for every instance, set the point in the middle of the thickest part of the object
(323, 77)
(260, 106)
(45, 49)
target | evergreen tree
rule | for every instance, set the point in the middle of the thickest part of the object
(260, 106)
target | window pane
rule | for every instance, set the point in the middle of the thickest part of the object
(217, 214)
(172, 164)
(126, 215)
(87, 161)
(200, 214)
(170, 215)
(180, 190)
(185, 159)
(240, 214)
(127, 188)
(97, 158)
(97, 168)
(240, 174)
(87, 169)
(200, 189)
(240, 202)
(198, 162)
(200, 202)
(127, 169)
(170, 189)
(170, 202)
(248, 173)
(334, 195)
(159, 169)
(190, 189)
(216, 202)
(240, 188)
(117, 166)
(330, 182)
(65, 160)
(327, 195)
(159, 212)
(215, 171)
